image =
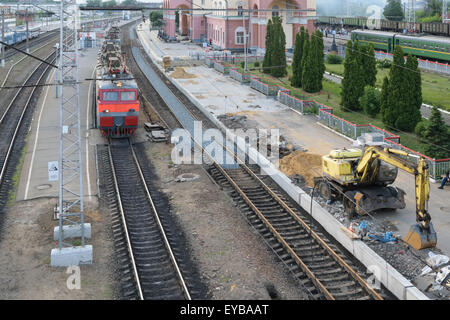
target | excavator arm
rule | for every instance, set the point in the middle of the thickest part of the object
(421, 235)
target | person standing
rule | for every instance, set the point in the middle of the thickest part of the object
(444, 180)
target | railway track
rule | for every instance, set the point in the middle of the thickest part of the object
(148, 246)
(14, 122)
(321, 266)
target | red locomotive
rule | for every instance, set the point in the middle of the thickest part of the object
(117, 96)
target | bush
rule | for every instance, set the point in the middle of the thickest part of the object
(370, 101)
(384, 64)
(421, 128)
(256, 64)
(242, 64)
(334, 59)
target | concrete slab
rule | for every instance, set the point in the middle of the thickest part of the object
(73, 256)
(43, 141)
(72, 231)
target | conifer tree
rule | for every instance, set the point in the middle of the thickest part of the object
(396, 96)
(370, 66)
(296, 80)
(415, 81)
(384, 97)
(310, 69)
(437, 136)
(320, 60)
(267, 63)
(353, 82)
(278, 54)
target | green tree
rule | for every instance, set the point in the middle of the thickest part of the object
(402, 110)
(353, 82)
(369, 66)
(296, 80)
(320, 59)
(396, 94)
(437, 136)
(433, 7)
(414, 77)
(278, 51)
(384, 97)
(393, 10)
(94, 3)
(128, 3)
(370, 101)
(267, 62)
(156, 17)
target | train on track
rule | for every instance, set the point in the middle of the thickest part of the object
(117, 94)
(20, 35)
(436, 28)
(425, 47)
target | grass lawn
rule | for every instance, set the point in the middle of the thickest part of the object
(331, 96)
(435, 87)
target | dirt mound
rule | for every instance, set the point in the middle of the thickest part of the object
(308, 165)
(180, 73)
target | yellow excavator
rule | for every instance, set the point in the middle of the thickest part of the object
(360, 179)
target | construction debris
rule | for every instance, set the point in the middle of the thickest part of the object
(306, 164)
(180, 73)
(157, 133)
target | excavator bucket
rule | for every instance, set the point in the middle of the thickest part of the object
(419, 237)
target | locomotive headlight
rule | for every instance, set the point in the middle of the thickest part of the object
(106, 110)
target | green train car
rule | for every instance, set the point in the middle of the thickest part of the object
(436, 28)
(425, 47)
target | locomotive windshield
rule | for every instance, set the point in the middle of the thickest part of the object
(110, 96)
(127, 96)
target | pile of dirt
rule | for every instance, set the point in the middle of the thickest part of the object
(180, 73)
(308, 165)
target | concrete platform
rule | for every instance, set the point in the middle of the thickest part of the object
(72, 231)
(43, 140)
(73, 256)
(220, 94)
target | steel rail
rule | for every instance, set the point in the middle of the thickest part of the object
(161, 228)
(18, 61)
(124, 223)
(25, 108)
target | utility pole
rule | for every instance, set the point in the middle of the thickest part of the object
(26, 23)
(444, 11)
(3, 37)
(70, 164)
(245, 42)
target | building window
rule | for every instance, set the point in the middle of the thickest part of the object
(240, 11)
(240, 37)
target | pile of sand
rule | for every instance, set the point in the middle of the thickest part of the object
(180, 73)
(308, 165)
(240, 113)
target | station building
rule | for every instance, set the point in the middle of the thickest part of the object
(225, 28)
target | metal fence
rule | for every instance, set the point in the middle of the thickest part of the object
(267, 89)
(209, 62)
(423, 64)
(221, 68)
(300, 105)
(241, 77)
